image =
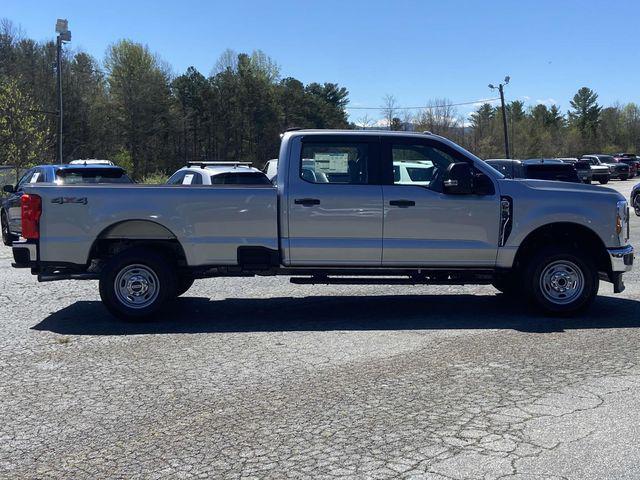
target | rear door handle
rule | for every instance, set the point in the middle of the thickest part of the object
(306, 202)
(402, 203)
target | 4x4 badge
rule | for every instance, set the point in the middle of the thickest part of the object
(62, 200)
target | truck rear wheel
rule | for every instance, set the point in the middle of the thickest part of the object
(7, 237)
(561, 281)
(135, 284)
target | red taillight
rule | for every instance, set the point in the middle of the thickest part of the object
(31, 211)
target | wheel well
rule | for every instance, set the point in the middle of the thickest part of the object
(137, 233)
(573, 235)
(105, 248)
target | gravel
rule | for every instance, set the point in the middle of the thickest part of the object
(258, 378)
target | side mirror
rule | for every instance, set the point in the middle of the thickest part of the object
(483, 185)
(459, 179)
(8, 189)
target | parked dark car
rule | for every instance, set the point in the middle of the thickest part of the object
(630, 159)
(536, 168)
(77, 174)
(617, 169)
(635, 199)
(583, 168)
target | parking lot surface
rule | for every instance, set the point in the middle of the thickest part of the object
(258, 378)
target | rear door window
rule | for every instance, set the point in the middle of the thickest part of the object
(341, 163)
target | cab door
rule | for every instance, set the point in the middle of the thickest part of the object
(423, 226)
(334, 202)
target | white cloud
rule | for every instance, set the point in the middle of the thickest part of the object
(546, 101)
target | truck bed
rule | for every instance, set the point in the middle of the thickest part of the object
(210, 223)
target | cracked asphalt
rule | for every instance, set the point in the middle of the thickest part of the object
(258, 378)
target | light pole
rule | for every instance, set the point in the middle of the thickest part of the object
(500, 88)
(64, 35)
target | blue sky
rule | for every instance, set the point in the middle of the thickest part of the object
(415, 50)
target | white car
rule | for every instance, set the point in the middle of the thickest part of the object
(271, 169)
(412, 173)
(218, 173)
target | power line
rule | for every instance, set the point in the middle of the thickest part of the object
(486, 100)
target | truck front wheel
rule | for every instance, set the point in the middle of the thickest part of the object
(184, 283)
(604, 181)
(135, 284)
(561, 281)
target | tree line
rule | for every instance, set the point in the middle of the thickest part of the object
(534, 131)
(130, 108)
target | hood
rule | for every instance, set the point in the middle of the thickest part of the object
(552, 187)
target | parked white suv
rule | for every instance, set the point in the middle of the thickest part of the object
(218, 173)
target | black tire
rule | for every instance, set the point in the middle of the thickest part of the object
(550, 270)
(603, 181)
(624, 177)
(146, 281)
(635, 203)
(7, 237)
(510, 284)
(183, 284)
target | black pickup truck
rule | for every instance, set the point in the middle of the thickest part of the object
(536, 168)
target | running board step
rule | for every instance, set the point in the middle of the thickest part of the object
(452, 280)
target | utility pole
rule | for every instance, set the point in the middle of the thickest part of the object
(64, 35)
(500, 88)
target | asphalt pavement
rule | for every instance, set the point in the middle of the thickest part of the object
(258, 378)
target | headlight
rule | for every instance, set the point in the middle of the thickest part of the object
(622, 221)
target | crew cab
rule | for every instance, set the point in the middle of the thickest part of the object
(352, 222)
(90, 171)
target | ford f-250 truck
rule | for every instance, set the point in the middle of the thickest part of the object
(338, 213)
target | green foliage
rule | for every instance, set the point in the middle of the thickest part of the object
(23, 131)
(131, 109)
(155, 178)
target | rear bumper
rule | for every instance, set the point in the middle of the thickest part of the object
(25, 254)
(621, 258)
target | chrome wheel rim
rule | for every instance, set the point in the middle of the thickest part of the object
(561, 282)
(136, 286)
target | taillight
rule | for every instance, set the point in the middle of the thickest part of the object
(31, 211)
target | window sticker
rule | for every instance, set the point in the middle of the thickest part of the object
(188, 179)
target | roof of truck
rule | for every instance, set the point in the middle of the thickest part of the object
(372, 133)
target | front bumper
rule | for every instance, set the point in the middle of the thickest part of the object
(621, 258)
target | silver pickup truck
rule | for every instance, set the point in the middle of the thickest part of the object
(346, 207)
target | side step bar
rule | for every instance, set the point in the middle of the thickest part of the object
(441, 280)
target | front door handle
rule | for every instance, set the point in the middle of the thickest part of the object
(306, 202)
(402, 203)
